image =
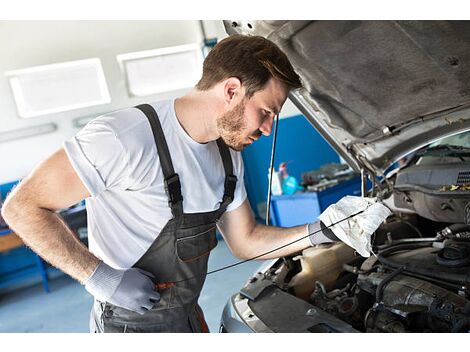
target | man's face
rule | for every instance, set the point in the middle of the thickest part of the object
(252, 117)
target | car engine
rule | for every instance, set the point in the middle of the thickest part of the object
(417, 278)
(412, 283)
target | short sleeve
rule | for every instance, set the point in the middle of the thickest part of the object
(98, 157)
(240, 191)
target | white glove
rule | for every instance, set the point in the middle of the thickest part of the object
(357, 230)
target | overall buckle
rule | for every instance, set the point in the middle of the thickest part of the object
(173, 189)
(230, 185)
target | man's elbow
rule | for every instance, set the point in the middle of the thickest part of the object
(241, 254)
(10, 210)
(14, 207)
(242, 248)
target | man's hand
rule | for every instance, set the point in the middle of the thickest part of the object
(131, 289)
(356, 230)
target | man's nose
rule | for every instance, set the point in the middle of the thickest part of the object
(266, 127)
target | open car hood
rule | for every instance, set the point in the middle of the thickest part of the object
(376, 90)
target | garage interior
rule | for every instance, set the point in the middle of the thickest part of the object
(35, 297)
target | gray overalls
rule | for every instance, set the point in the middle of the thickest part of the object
(180, 252)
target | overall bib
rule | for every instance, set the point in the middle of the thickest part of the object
(180, 252)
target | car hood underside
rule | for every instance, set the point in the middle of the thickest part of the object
(376, 90)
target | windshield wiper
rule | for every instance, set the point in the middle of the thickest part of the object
(446, 150)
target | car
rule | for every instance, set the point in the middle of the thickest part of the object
(393, 99)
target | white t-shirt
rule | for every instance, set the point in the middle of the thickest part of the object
(116, 158)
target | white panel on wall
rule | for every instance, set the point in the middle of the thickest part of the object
(59, 87)
(162, 70)
(27, 132)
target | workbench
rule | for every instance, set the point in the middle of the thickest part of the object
(25, 264)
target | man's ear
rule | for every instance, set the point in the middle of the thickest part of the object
(232, 89)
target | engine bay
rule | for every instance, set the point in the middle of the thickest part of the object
(414, 282)
(417, 278)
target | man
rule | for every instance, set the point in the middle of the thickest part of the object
(158, 179)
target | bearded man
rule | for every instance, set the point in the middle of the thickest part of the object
(158, 180)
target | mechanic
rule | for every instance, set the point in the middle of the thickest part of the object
(158, 179)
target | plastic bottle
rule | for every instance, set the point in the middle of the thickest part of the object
(290, 185)
(276, 188)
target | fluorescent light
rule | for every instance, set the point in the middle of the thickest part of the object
(162, 70)
(65, 86)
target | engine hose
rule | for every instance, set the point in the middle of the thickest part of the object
(442, 283)
(446, 276)
(402, 247)
(456, 228)
(408, 240)
(381, 286)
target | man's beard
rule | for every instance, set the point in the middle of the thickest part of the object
(232, 126)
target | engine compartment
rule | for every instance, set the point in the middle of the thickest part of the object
(418, 276)
(412, 283)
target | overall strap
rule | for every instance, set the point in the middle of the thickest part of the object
(171, 179)
(230, 178)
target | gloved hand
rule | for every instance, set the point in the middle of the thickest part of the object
(319, 233)
(130, 289)
(357, 230)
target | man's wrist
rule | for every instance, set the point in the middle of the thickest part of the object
(319, 233)
(103, 282)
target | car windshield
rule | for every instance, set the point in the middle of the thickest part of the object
(457, 140)
(447, 149)
(453, 146)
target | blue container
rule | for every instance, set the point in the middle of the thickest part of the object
(332, 195)
(303, 208)
(296, 209)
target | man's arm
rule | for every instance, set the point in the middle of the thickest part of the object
(30, 209)
(247, 239)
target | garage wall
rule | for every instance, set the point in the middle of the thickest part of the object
(25, 44)
(31, 43)
(298, 143)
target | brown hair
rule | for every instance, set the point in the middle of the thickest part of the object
(252, 59)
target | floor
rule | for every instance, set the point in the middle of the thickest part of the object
(67, 307)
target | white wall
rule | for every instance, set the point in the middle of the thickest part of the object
(32, 43)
